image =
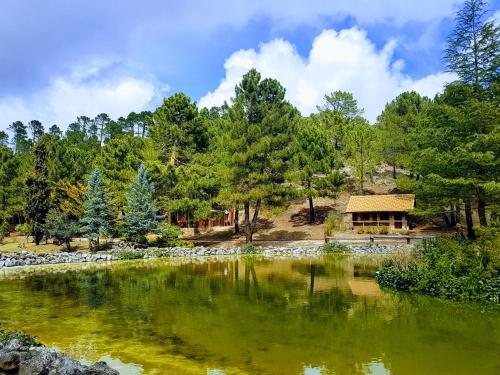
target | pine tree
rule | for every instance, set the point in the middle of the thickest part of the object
(97, 210)
(38, 190)
(140, 210)
(473, 50)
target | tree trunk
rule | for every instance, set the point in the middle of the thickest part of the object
(312, 214)
(248, 233)
(453, 218)
(236, 219)
(481, 207)
(394, 171)
(468, 219)
(97, 243)
(250, 225)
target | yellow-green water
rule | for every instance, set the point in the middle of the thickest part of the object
(253, 316)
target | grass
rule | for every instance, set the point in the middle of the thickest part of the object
(15, 244)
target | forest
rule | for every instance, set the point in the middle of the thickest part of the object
(125, 178)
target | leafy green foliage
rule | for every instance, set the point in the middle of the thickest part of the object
(250, 249)
(61, 226)
(332, 223)
(130, 255)
(334, 248)
(448, 268)
(38, 190)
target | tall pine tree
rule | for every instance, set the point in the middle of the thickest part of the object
(140, 210)
(97, 210)
(38, 190)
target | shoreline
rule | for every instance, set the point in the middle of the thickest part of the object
(21, 260)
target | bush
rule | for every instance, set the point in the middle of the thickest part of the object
(447, 268)
(250, 249)
(21, 337)
(383, 230)
(334, 247)
(4, 230)
(60, 226)
(168, 236)
(332, 222)
(371, 230)
(24, 229)
(360, 230)
(129, 255)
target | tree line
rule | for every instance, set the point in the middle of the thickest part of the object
(257, 152)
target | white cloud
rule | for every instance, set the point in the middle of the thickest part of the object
(345, 60)
(83, 92)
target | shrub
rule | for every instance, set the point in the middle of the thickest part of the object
(168, 236)
(371, 230)
(334, 247)
(129, 255)
(404, 232)
(21, 337)
(448, 268)
(360, 230)
(383, 230)
(24, 229)
(60, 226)
(332, 222)
(250, 249)
(4, 230)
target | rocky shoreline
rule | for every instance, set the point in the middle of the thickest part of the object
(24, 259)
(21, 359)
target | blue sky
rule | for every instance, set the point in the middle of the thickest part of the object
(60, 58)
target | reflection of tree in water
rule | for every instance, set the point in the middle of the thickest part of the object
(280, 313)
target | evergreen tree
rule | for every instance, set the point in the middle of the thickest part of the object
(140, 210)
(38, 190)
(362, 153)
(36, 129)
(20, 137)
(97, 210)
(258, 145)
(55, 131)
(62, 227)
(473, 50)
(4, 138)
(316, 163)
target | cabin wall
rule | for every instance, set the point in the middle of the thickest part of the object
(392, 220)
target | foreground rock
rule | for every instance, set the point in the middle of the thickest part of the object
(121, 252)
(16, 358)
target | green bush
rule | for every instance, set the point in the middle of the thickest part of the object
(448, 268)
(250, 249)
(129, 255)
(21, 337)
(360, 230)
(334, 247)
(332, 222)
(383, 230)
(168, 236)
(371, 230)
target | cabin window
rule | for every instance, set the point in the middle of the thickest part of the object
(384, 216)
(365, 216)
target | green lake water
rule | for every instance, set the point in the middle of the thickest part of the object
(247, 316)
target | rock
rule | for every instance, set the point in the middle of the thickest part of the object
(100, 368)
(9, 360)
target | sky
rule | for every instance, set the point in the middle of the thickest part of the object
(60, 59)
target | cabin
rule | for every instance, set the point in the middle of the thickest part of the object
(218, 218)
(390, 210)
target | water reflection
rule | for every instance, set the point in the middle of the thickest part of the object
(251, 315)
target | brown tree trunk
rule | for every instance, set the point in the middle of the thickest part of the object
(481, 207)
(468, 219)
(236, 219)
(394, 171)
(250, 225)
(312, 213)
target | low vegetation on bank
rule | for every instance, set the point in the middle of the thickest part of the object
(451, 268)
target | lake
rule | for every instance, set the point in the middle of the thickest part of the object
(247, 316)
